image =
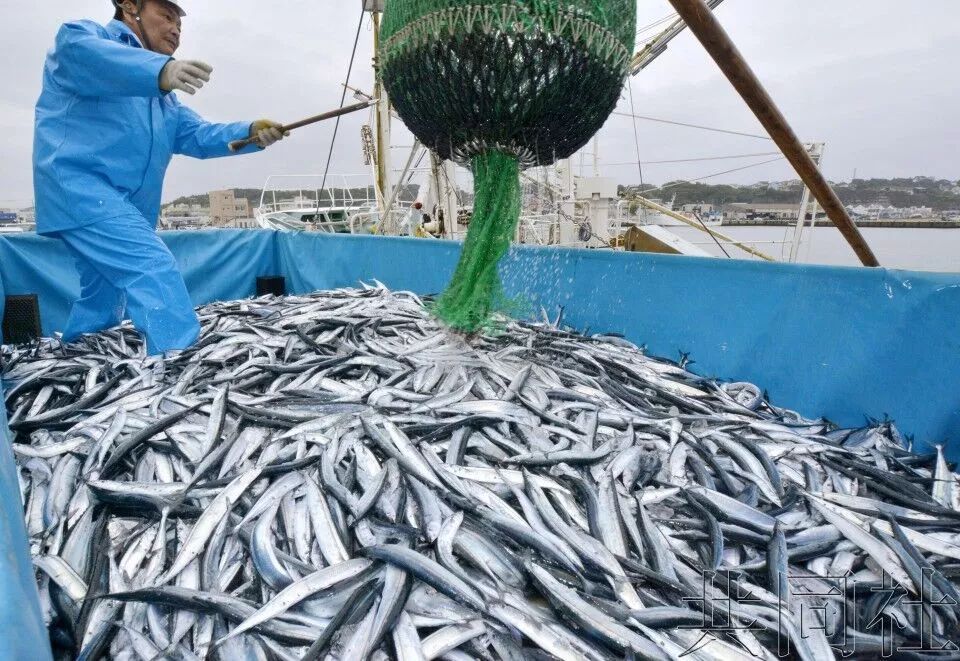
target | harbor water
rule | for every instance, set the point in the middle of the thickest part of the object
(897, 248)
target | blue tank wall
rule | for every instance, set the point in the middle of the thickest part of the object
(845, 343)
(22, 633)
(840, 342)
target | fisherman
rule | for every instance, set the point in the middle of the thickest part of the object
(433, 226)
(107, 123)
(411, 223)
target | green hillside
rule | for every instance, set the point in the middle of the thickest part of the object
(939, 194)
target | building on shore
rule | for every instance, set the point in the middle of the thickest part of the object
(699, 207)
(757, 211)
(176, 222)
(888, 212)
(241, 224)
(185, 209)
(226, 207)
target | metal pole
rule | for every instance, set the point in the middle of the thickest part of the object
(816, 152)
(388, 225)
(813, 226)
(450, 204)
(704, 24)
(596, 156)
(381, 124)
(798, 228)
(566, 234)
(703, 228)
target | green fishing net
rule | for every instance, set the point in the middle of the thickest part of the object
(502, 85)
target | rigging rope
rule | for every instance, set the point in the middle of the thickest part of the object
(715, 174)
(692, 126)
(636, 139)
(700, 159)
(336, 126)
(712, 235)
(651, 26)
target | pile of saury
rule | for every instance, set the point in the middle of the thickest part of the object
(338, 476)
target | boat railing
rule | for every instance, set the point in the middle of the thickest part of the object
(300, 191)
(372, 221)
(539, 229)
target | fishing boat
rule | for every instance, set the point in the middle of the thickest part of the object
(15, 222)
(349, 208)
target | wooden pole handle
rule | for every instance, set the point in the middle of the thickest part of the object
(237, 145)
(704, 24)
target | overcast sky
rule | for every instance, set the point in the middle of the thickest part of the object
(875, 79)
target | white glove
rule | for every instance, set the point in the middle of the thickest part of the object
(184, 75)
(265, 132)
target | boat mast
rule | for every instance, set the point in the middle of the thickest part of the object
(444, 182)
(381, 118)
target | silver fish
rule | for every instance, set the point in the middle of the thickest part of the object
(337, 471)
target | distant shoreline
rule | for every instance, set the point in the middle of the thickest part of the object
(920, 223)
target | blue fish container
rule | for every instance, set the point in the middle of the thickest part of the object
(844, 343)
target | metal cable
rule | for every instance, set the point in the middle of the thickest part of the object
(715, 174)
(413, 171)
(336, 127)
(693, 126)
(636, 139)
(655, 24)
(712, 235)
(452, 185)
(697, 160)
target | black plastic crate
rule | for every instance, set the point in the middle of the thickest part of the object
(271, 284)
(21, 319)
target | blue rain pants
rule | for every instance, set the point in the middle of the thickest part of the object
(126, 270)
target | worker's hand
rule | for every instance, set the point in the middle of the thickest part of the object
(264, 133)
(184, 75)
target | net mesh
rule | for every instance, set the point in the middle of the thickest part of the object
(474, 291)
(502, 84)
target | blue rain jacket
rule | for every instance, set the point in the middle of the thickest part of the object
(105, 132)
